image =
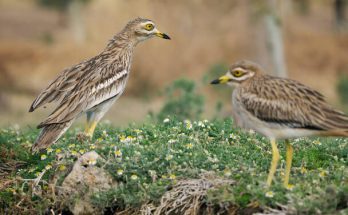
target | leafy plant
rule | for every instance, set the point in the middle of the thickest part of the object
(214, 72)
(342, 88)
(182, 101)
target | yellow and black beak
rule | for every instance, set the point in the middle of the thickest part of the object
(162, 35)
(222, 80)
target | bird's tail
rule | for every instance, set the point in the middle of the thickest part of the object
(50, 134)
(335, 123)
(336, 133)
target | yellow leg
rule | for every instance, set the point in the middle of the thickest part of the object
(87, 127)
(90, 127)
(275, 159)
(289, 153)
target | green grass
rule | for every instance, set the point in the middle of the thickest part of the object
(156, 156)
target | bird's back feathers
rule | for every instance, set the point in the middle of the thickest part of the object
(291, 104)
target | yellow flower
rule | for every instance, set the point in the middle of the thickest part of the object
(137, 131)
(81, 151)
(43, 157)
(92, 162)
(188, 124)
(172, 176)
(316, 142)
(323, 173)
(127, 139)
(49, 150)
(189, 146)
(71, 146)
(13, 191)
(92, 146)
(303, 170)
(164, 176)
(134, 177)
(120, 172)
(118, 153)
(74, 153)
(58, 151)
(269, 194)
(227, 172)
(62, 167)
(290, 187)
(48, 166)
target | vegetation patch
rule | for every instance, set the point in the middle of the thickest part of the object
(174, 167)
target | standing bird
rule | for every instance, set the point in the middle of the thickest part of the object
(280, 108)
(91, 86)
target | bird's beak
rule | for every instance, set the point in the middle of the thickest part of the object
(162, 35)
(222, 80)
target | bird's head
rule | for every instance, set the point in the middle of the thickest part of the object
(238, 73)
(141, 29)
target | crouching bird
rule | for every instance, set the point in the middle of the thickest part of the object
(91, 86)
(280, 108)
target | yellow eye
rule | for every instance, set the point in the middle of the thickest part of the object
(237, 73)
(149, 27)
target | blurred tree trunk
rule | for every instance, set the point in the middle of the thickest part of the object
(76, 23)
(269, 46)
(340, 16)
(3, 102)
(5, 82)
(275, 48)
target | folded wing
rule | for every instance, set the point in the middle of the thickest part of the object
(90, 91)
(292, 104)
(58, 88)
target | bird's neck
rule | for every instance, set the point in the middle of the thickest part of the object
(120, 49)
(122, 40)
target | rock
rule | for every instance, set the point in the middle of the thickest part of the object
(84, 180)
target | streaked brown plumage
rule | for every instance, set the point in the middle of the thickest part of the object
(280, 108)
(91, 86)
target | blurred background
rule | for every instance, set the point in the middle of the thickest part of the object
(306, 40)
